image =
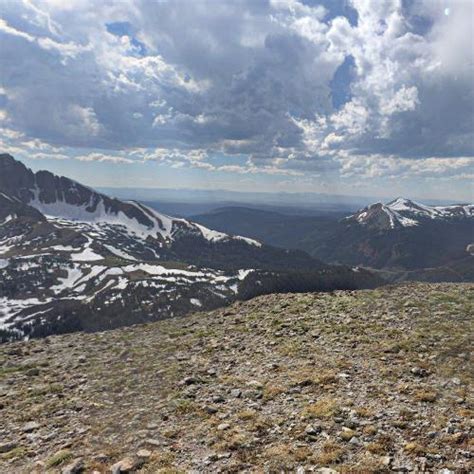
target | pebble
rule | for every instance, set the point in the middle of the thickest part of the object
(190, 381)
(74, 467)
(33, 372)
(5, 447)
(419, 372)
(312, 430)
(30, 426)
(153, 442)
(235, 393)
(124, 465)
(144, 453)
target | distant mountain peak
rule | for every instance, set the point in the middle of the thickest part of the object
(403, 212)
(401, 201)
(61, 197)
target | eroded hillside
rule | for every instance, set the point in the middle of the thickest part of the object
(377, 380)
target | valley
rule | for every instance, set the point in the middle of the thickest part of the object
(401, 240)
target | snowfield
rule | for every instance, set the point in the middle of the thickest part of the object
(162, 225)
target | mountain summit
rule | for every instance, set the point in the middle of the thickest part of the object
(403, 212)
(60, 197)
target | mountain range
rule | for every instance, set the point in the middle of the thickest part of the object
(402, 240)
(73, 259)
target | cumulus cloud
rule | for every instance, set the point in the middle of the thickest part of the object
(181, 82)
(104, 158)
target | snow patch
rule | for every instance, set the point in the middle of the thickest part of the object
(211, 235)
(119, 253)
(63, 248)
(73, 276)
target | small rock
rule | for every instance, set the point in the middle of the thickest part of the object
(223, 426)
(190, 381)
(252, 394)
(312, 430)
(124, 465)
(343, 375)
(33, 372)
(255, 384)
(435, 457)
(31, 426)
(101, 458)
(153, 442)
(144, 454)
(419, 372)
(74, 467)
(351, 424)
(82, 359)
(211, 410)
(235, 393)
(5, 447)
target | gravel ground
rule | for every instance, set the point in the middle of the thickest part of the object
(363, 381)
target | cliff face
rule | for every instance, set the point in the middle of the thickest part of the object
(374, 381)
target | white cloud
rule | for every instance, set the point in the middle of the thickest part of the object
(104, 158)
(405, 99)
(69, 49)
(82, 121)
(381, 166)
(244, 79)
(9, 30)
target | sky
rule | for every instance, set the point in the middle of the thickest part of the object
(361, 97)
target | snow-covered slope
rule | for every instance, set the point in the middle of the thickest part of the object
(406, 213)
(60, 197)
(74, 259)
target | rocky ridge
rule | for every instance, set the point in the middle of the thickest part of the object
(351, 381)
